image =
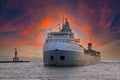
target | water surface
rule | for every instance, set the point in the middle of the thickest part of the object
(36, 71)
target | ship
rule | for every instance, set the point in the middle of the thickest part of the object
(61, 48)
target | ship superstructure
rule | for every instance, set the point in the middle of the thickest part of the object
(62, 49)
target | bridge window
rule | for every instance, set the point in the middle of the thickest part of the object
(62, 58)
(51, 58)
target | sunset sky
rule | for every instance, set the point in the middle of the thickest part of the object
(24, 24)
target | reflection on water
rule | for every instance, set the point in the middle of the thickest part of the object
(36, 71)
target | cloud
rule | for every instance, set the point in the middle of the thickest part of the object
(27, 22)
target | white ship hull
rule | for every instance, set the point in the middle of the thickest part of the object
(66, 54)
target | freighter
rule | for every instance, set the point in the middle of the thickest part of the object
(62, 49)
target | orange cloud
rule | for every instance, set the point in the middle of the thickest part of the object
(45, 23)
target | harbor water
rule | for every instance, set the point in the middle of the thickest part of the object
(35, 70)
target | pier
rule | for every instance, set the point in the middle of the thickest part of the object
(15, 58)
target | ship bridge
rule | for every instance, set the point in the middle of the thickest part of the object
(65, 32)
(66, 27)
(63, 35)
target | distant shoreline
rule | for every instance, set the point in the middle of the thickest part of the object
(13, 61)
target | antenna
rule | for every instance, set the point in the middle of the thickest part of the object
(59, 26)
(50, 30)
(63, 21)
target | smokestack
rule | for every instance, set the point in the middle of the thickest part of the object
(89, 46)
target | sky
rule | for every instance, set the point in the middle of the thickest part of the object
(25, 23)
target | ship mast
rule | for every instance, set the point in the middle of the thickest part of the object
(66, 26)
(63, 22)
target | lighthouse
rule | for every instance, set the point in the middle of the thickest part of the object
(15, 58)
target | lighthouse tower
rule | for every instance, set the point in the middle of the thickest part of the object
(15, 58)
